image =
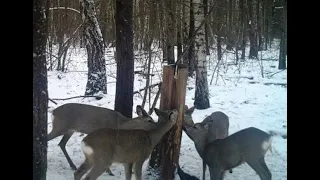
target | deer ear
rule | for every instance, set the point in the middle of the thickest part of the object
(157, 111)
(139, 111)
(185, 108)
(190, 110)
(173, 115)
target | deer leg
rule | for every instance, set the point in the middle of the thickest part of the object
(265, 167)
(223, 173)
(62, 145)
(204, 166)
(97, 169)
(109, 172)
(259, 169)
(138, 170)
(215, 173)
(128, 170)
(84, 167)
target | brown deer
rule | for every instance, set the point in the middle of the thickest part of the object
(74, 117)
(247, 145)
(105, 146)
(215, 126)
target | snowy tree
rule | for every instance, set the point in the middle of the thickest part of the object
(202, 90)
(40, 91)
(97, 80)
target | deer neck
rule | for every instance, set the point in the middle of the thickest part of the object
(200, 145)
(157, 133)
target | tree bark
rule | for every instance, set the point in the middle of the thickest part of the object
(283, 41)
(202, 90)
(230, 38)
(244, 22)
(170, 31)
(206, 27)
(97, 79)
(40, 90)
(172, 140)
(125, 57)
(179, 29)
(167, 95)
(219, 27)
(191, 55)
(253, 53)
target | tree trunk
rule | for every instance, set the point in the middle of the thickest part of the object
(159, 152)
(179, 29)
(272, 22)
(244, 22)
(170, 31)
(150, 38)
(171, 142)
(125, 57)
(97, 80)
(218, 28)
(206, 27)
(265, 23)
(230, 26)
(40, 90)
(185, 18)
(259, 25)
(202, 90)
(191, 55)
(253, 53)
(283, 42)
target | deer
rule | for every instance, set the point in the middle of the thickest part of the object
(75, 117)
(215, 126)
(247, 145)
(105, 146)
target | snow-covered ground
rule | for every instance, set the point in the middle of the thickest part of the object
(247, 102)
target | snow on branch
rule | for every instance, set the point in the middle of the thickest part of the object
(64, 8)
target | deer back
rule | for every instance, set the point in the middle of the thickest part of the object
(247, 144)
(86, 118)
(128, 145)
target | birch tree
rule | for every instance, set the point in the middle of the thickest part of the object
(202, 90)
(97, 80)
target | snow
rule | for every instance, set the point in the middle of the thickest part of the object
(259, 105)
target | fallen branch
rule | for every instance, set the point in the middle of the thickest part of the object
(269, 83)
(142, 73)
(246, 77)
(270, 59)
(151, 86)
(53, 101)
(279, 84)
(97, 97)
(276, 73)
